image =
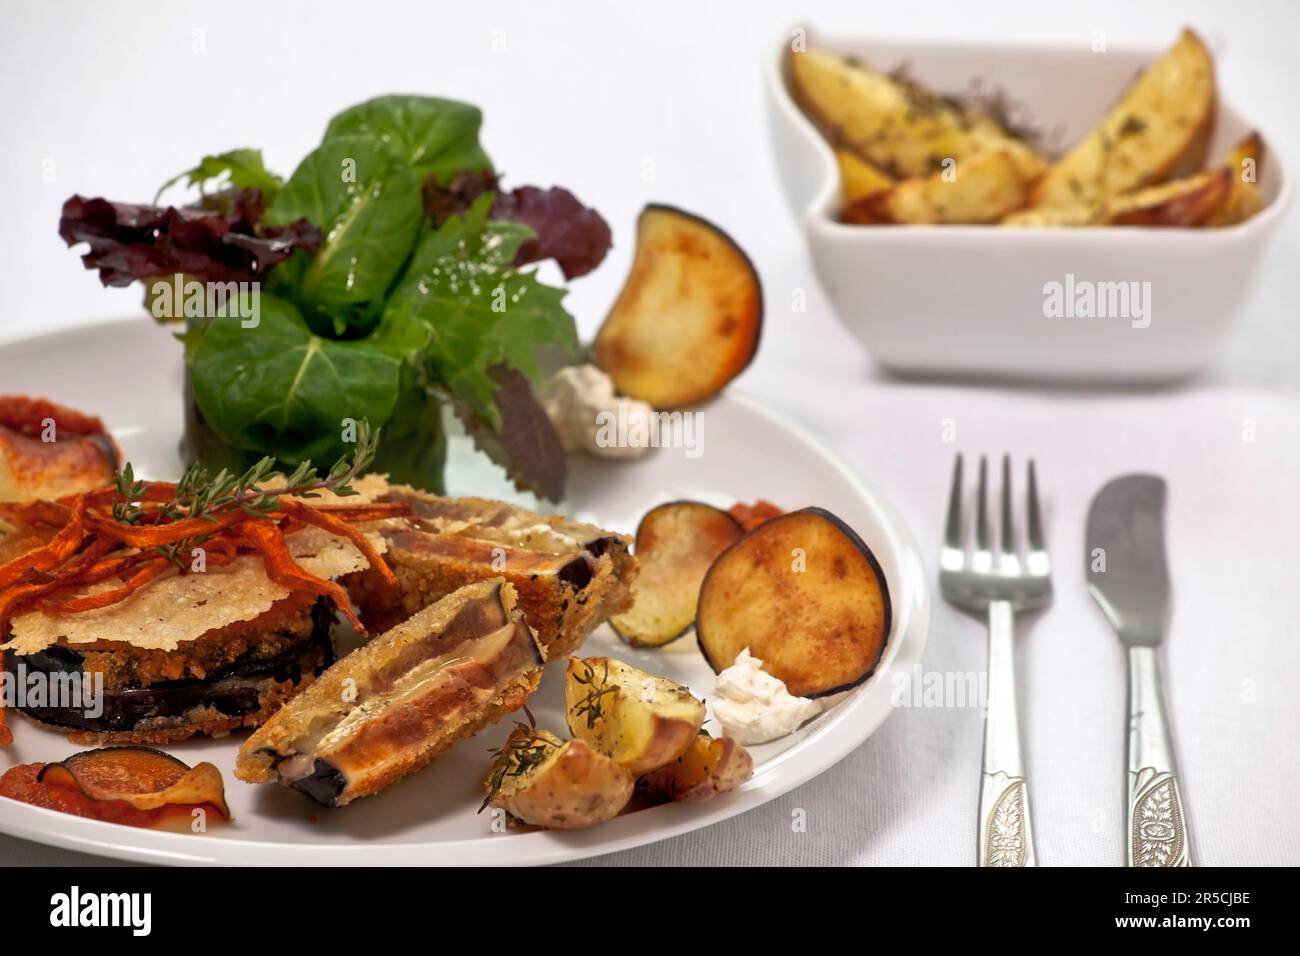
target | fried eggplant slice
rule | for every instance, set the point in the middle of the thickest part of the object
(48, 451)
(1158, 130)
(675, 544)
(143, 777)
(708, 767)
(386, 710)
(980, 189)
(544, 781)
(568, 576)
(688, 319)
(896, 125)
(805, 594)
(636, 719)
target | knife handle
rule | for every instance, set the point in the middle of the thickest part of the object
(1006, 837)
(1157, 824)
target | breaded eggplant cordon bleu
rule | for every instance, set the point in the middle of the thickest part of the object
(389, 708)
(569, 577)
(147, 612)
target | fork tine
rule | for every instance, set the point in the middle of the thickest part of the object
(952, 530)
(982, 508)
(1007, 541)
(1035, 532)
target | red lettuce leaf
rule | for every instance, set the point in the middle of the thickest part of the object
(574, 235)
(220, 241)
(528, 447)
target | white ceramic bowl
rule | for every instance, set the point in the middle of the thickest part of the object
(969, 301)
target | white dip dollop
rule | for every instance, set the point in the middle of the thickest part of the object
(575, 398)
(755, 707)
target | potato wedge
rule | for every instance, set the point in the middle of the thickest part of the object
(980, 189)
(688, 319)
(1245, 199)
(708, 767)
(638, 720)
(1191, 201)
(805, 594)
(858, 178)
(897, 126)
(675, 544)
(544, 781)
(1158, 130)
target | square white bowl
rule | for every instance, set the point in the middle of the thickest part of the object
(969, 301)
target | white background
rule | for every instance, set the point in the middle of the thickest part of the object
(120, 96)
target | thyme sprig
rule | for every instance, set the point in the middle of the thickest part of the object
(200, 495)
(591, 705)
(524, 750)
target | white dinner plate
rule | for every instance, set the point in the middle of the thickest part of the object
(129, 373)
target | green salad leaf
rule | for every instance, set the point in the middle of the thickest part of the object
(285, 391)
(243, 169)
(367, 202)
(436, 137)
(479, 309)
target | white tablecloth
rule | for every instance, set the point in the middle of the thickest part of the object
(113, 99)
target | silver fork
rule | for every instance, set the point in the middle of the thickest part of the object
(998, 583)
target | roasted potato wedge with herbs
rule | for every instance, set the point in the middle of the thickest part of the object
(708, 767)
(858, 178)
(688, 319)
(638, 720)
(1244, 200)
(544, 781)
(1191, 201)
(675, 544)
(1158, 130)
(980, 189)
(805, 594)
(897, 126)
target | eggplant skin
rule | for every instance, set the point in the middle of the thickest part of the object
(798, 655)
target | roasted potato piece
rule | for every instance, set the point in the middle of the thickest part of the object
(858, 178)
(1158, 130)
(675, 544)
(805, 594)
(980, 189)
(897, 126)
(641, 721)
(1192, 201)
(688, 319)
(708, 767)
(1244, 200)
(544, 781)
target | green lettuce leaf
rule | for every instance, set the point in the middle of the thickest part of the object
(436, 137)
(243, 168)
(480, 310)
(284, 391)
(367, 203)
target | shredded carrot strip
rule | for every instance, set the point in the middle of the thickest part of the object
(90, 602)
(285, 571)
(335, 525)
(61, 547)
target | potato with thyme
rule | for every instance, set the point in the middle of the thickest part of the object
(544, 781)
(638, 720)
(708, 767)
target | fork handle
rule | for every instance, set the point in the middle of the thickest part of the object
(1006, 837)
(1157, 827)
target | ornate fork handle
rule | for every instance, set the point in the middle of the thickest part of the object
(1006, 837)
(1157, 826)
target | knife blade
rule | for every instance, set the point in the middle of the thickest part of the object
(1128, 575)
(1125, 561)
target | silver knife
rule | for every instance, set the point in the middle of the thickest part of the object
(1128, 576)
